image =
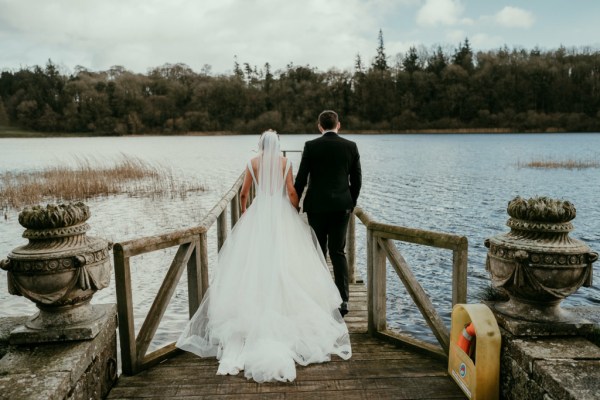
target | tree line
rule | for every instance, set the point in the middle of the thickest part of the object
(421, 89)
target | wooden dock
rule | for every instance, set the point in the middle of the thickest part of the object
(384, 364)
(377, 370)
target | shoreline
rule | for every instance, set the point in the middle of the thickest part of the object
(18, 134)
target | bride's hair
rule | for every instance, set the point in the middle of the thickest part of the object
(272, 135)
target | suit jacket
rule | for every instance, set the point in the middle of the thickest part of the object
(331, 166)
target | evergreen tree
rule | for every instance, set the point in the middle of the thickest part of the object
(358, 65)
(380, 63)
(463, 56)
(237, 71)
(410, 62)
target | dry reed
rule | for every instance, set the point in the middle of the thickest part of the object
(132, 176)
(560, 164)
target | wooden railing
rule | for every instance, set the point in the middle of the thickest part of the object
(379, 248)
(191, 254)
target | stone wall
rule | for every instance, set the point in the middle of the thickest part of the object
(549, 368)
(85, 369)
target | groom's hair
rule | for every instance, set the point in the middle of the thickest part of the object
(328, 119)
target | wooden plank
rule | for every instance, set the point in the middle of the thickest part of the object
(370, 290)
(125, 310)
(418, 236)
(203, 242)
(420, 298)
(351, 248)
(378, 294)
(418, 367)
(153, 243)
(158, 356)
(459, 273)
(194, 278)
(161, 301)
(235, 209)
(221, 228)
(413, 388)
(412, 343)
(363, 217)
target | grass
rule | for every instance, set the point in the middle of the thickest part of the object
(490, 293)
(87, 180)
(560, 164)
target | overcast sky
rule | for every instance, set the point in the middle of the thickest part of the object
(139, 34)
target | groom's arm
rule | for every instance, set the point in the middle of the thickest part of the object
(302, 175)
(355, 176)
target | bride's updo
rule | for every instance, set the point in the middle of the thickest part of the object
(268, 137)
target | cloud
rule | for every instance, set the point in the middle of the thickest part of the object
(455, 35)
(139, 35)
(485, 41)
(440, 12)
(513, 17)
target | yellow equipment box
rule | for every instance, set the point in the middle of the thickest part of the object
(477, 373)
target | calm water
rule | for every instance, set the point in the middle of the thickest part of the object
(458, 184)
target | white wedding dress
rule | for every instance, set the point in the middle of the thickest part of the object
(271, 301)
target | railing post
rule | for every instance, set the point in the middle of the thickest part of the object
(125, 311)
(375, 285)
(459, 273)
(222, 228)
(203, 263)
(351, 248)
(235, 209)
(194, 279)
(251, 194)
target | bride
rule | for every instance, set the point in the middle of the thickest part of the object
(271, 302)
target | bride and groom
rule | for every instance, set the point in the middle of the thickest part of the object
(271, 302)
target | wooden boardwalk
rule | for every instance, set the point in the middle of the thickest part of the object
(377, 370)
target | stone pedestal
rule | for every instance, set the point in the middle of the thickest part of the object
(576, 325)
(29, 333)
(74, 370)
(60, 269)
(537, 263)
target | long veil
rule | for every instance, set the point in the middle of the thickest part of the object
(270, 174)
(271, 302)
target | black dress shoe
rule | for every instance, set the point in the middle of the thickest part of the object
(344, 308)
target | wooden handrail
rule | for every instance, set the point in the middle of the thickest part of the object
(192, 255)
(379, 249)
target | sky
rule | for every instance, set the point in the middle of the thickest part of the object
(142, 34)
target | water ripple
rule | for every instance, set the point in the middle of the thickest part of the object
(459, 184)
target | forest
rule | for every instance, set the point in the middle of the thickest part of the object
(423, 89)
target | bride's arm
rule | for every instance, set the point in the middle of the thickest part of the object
(289, 182)
(245, 190)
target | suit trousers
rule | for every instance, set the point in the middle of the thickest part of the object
(330, 229)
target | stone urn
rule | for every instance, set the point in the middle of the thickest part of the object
(537, 264)
(60, 269)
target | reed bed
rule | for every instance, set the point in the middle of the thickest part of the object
(560, 164)
(87, 179)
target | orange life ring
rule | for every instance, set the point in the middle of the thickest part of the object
(466, 338)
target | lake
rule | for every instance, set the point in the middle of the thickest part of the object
(455, 183)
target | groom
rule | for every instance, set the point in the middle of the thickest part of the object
(331, 165)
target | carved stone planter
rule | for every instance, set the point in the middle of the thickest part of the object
(60, 269)
(537, 263)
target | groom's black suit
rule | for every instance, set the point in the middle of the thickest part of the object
(331, 165)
